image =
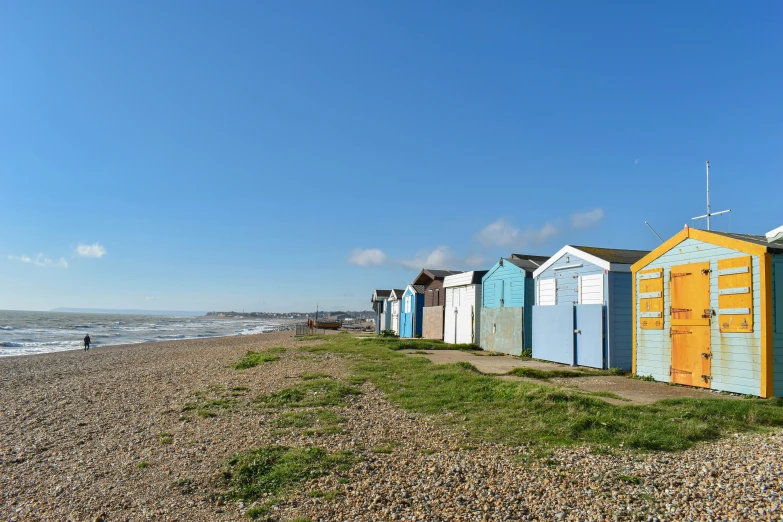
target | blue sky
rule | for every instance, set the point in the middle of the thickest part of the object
(274, 155)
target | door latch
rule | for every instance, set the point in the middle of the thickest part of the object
(705, 271)
(706, 356)
(577, 331)
(706, 378)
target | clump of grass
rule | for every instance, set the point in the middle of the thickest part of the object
(252, 359)
(648, 378)
(313, 376)
(239, 389)
(527, 353)
(630, 479)
(535, 373)
(326, 495)
(315, 393)
(272, 471)
(320, 421)
(143, 464)
(185, 486)
(165, 438)
(207, 408)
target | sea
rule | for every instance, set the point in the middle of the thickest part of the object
(24, 333)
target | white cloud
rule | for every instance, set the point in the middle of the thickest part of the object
(587, 219)
(503, 234)
(94, 250)
(367, 257)
(440, 258)
(41, 260)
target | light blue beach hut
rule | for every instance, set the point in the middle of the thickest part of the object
(412, 311)
(506, 301)
(583, 314)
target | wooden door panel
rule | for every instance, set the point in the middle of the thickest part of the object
(691, 356)
(690, 294)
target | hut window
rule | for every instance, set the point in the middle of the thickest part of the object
(408, 305)
(735, 294)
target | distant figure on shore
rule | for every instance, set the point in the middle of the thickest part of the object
(86, 342)
(310, 324)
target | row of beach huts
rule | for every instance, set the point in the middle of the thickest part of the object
(703, 309)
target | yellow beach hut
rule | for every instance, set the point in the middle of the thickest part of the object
(708, 312)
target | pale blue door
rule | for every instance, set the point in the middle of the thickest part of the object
(589, 330)
(553, 333)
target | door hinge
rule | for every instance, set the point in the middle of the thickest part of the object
(705, 271)
(706, 356)
(680, 310)
(706, 378)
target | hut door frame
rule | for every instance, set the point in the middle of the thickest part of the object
(690, 314)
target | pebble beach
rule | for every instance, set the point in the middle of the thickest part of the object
(106, 435)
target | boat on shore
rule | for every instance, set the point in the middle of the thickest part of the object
(327, 325)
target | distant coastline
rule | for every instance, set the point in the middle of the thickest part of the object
(121, 311)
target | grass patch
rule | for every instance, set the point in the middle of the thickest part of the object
(520, 412)
(143, 464)
(318, 422)
(165, 438)
(272, 471)
(315, 393)
(313, 376)
(326, 495)
(252, 359)
(185, 486)
(544, 375)
(629, 479)
(648, 378)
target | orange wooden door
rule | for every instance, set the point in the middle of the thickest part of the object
(691, 355)
(690, 320)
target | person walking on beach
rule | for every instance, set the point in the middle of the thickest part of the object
(86, 342)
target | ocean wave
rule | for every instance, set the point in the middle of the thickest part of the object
(79, 326)
(5, 328)
(180, 336)
(9, 344)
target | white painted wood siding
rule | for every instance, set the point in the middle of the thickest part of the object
(591, 289)
(546, 289)
(461, 314)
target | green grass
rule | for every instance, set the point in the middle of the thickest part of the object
(165, 438)
(630, 479)
(535, 373)
(318, 421)
(143, 464)
(313, 376)
(315, 393)
(648, 378)
(272, 471)
(252, 359)
(521, 412)
(609, 395)
(326, 495)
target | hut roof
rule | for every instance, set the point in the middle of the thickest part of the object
(428, 275)
(615, 255)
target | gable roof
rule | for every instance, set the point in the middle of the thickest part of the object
(396, 293)
(415, 289)
(526, 263)
(612, 259)
(746, 243)
(380, 295)
(428, 275)
(475, 279)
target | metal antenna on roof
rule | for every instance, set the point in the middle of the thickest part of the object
(709, 214)
(654, 232)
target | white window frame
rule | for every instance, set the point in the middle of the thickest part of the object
(550, 300)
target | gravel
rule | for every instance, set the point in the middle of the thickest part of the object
(103, 435)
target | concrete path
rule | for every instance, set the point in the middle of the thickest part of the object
(632, 391)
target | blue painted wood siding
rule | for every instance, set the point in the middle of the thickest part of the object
(777, 321)
(411, 322)
(736, 357)
(619, 293)
(505, 282)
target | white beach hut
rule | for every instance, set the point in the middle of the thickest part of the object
(463, 306)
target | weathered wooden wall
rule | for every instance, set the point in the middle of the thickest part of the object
(432, 322)
(502, 329)
(434, 295)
